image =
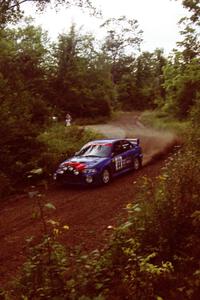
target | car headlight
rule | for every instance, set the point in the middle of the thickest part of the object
(60, 171)
(76, 172)
(90, 171)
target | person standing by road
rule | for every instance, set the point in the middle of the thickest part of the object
(68, 119)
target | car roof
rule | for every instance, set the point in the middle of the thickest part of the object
(110, 141)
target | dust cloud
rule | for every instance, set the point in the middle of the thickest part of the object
(155, 143)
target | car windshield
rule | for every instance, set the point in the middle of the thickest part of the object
(98, 150)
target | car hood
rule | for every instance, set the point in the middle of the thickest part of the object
(80, 162)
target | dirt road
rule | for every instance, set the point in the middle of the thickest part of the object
(88, 212)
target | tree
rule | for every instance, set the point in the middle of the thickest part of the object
(194, 8)
(121, 43)
(190, 44)
(11, 10)
(141, 87)
(81, 86)
(23, 111)
(182, 81)
(182, 84)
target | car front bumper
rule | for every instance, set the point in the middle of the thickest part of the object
(80, 179)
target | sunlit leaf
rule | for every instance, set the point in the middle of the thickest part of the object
(50, 206)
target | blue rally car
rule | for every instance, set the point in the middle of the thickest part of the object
(99, 161)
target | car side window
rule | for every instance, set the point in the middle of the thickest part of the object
(126, 146)
(117, 149)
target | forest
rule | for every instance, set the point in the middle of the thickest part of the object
(157, 251)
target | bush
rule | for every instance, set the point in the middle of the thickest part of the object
(60, 142)
(166, 222)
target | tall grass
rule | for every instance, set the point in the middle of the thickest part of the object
(163, 121)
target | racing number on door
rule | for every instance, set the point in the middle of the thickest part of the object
(118, 163)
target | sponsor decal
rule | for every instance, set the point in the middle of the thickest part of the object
(121, 163)
(118, 163)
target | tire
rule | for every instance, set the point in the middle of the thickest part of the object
(105, 176)
(137, 164)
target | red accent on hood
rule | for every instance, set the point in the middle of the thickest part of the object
(76, 165)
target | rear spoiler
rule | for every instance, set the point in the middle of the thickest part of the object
(135, 141)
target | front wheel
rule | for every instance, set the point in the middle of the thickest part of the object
(105, 176)
(137, 163)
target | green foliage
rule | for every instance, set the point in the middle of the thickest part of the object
(123, 36)
(182, 83)
(43, 275)
(138, 79)
(23, 112)
(75, 89)
(194, 114)
(140, 85)
(194, 7)
(195, 128)
(190, 42)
